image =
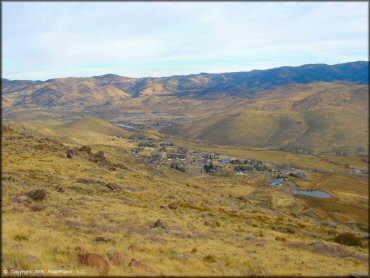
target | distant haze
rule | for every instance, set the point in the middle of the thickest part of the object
(56, 39)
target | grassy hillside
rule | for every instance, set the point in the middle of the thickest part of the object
(83, 131)
(215, 225)
(319, 117)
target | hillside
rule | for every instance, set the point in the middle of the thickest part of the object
(102, 203)
(82, 131)
(318, 117)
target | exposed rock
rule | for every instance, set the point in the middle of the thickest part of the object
(70, 154)
(113, 187)
(249, 237)
(137, 263)
(115, 257)
(330, 224)
(93, 260)
(172, 206)
(98, 157)
(159, 224)
(23, 199)
(37, 194)
(59, 188)
(120, 165)
(178, 166)
(299, 175)
(85, 149)
(36, 207)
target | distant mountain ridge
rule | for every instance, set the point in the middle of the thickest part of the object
(111, 87)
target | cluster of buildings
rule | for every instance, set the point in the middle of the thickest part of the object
(159, 153)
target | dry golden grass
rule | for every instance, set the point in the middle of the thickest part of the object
(210, 232)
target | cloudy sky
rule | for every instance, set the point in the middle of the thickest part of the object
(61, 39)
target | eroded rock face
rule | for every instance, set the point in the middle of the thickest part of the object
(93, 260)
(37, 194)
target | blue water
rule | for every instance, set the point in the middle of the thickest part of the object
(311, 193)
(275, 183)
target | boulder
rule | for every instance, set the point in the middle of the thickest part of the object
(93, 260)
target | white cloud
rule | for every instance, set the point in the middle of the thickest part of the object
(45, 40)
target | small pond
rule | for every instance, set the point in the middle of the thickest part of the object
(311, 193)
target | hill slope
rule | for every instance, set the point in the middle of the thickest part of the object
(313, 117)
(209, 225)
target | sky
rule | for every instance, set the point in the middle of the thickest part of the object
(43, 40)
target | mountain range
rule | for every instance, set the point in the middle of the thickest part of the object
(99, 89)
(313, 107)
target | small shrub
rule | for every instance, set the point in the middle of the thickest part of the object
(348, 238)
(20, 237)
(209, 259)
(38, 194)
